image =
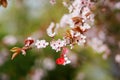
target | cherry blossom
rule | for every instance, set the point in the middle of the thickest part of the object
(81, 39)
(57, 45)
(79, 19)
(64, 20)
(41, 44)
(50, 31)
(67, 61)
(85, 26)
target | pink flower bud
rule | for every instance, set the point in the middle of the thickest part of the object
(29, 41)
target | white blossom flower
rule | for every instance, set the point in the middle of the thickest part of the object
(85, 11)
(75, 12)
(81, 39)
(57, 45)
(63, 21)
(41, 43)
(78, 37)
(74, 33)
(67, 61)
(54, 46)
(71, 23)
(49, 30)
(85, 26)
(66, 40)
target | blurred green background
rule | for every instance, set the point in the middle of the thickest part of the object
(24, 18)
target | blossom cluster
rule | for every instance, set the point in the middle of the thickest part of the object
(79, 19)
